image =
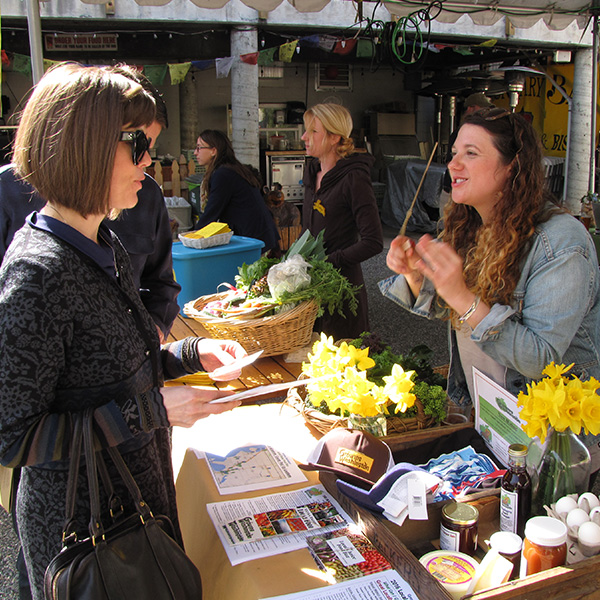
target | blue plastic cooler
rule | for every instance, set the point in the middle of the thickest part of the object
(199, 272)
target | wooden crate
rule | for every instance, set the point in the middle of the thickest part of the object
(574, 582)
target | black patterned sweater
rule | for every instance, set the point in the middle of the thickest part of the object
(72, 337)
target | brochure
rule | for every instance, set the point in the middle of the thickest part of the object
(387, 585)
(345, 554)
(252, 467)
(252, 528)
(497, 417)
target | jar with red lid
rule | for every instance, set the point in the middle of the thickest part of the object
(545, 545)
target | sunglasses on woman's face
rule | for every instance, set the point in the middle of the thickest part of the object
(140, 144)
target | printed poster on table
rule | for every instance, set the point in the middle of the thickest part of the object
(497, 417)
(252, 528)
(252, 467)
(379, 586)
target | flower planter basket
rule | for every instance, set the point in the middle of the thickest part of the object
(323, 423)
(274, 335)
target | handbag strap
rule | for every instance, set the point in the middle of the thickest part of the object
(96, 527)
(68, 527)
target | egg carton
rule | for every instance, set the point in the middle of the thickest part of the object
(581, 515)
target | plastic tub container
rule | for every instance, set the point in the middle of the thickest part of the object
(200, 271)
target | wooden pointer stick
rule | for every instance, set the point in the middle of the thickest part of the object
(412, 204)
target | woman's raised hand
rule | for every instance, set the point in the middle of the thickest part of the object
(402, 257)
(444, 268)
(214, 354)
(186, 404)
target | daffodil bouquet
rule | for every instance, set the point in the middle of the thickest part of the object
(556, 409)
(348, 388)
(560, 402)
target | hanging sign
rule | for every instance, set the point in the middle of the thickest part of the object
(80, 41)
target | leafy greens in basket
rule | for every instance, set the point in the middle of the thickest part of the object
(252, 297)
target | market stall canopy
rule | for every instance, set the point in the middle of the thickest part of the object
(521, 13)
(260, 5)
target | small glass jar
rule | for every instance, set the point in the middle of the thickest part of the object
(458, 528)
(508, 545)
(545, 545)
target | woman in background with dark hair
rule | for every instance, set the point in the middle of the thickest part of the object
(231, 192)
(516, 276)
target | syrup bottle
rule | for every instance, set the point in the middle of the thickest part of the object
(515, 496)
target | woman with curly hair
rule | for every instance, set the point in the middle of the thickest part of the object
(339, 198)
(231, 191)
(514, 273)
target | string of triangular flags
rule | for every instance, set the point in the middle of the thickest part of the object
(365, 48)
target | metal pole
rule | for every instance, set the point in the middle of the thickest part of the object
(592, 184)
(35, 39)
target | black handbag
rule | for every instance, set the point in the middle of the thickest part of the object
(135, 557)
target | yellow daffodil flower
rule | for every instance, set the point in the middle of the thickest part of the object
(556, 371)
(560, 401)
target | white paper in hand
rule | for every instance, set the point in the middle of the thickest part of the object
(233, 368)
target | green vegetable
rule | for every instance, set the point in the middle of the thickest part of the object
(332, 291)
(328, 287)
(432, 397)
(429, 388)
(309, 247)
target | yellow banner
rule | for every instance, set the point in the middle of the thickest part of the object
(547, 108)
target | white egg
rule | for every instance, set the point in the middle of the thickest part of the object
(589, 538)
(565, 505)
(576, 518)
(595, 515)
(587, 501)
(589, 533)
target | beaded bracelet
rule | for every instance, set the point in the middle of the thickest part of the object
(470, 310)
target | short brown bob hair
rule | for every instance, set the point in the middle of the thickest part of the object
(69, 130)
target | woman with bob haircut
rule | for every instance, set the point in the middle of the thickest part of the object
(516, 275)
(339, 198)
(74, 333)
(231, 191)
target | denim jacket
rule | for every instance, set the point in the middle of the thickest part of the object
(554, 314)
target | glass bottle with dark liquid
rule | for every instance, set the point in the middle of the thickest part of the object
(515, 496)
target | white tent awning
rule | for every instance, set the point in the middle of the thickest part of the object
(260, 5)
(521, 13)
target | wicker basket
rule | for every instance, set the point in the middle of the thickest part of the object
(323, 423)
(279, 334)
(220, 239)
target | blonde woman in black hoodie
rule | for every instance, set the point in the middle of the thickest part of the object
(339, 198)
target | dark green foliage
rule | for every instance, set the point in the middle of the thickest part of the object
(429, 386)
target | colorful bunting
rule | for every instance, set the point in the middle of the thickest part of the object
(365, 48)
(250, 59)
(178, 72)
(267, 57)
(286, 51)
(223, 66)
(155, 73)
(344, 47)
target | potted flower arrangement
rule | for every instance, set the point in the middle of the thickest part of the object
(555, 410)
(364, 391)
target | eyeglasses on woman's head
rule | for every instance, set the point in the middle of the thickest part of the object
(493, 114)
(199, 147)
(140, 144)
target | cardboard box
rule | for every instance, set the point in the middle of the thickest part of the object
(394, 124)
(581, 580)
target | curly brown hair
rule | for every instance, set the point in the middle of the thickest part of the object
(492, 252)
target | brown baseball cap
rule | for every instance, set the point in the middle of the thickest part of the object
(355, 456)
